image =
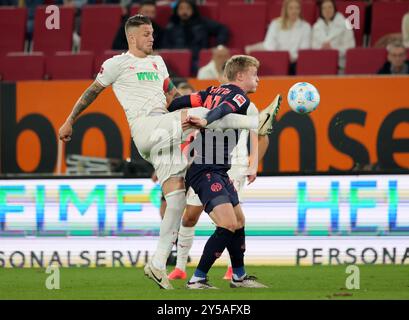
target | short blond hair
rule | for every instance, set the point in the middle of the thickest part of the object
(239, 63)
(284, 13)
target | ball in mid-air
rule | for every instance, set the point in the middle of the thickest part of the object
(303, 97)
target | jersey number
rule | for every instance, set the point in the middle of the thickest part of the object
(211, 102)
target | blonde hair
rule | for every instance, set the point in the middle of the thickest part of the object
(284, 13)
(239, 63)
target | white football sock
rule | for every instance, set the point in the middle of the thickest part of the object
(176, 202)
(196, 279)
(185, 242)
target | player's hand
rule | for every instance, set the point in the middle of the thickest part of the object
(154, 177)
(186, 124)
(197, 122)
(251, 178)
(65, 132)
(326, 45)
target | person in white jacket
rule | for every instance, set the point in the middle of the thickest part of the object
(289, 32)
(332, 31)
(405, 30)
(214, 69)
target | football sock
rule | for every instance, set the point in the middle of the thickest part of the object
(236, 248)
(198, 275)
(176, 202)
(214, 248)
(185, 242)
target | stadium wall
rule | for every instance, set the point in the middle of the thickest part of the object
(290, 220)
(350, 127)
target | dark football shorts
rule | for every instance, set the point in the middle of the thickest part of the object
(214, 188)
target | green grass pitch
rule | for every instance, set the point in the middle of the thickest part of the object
(307, 282)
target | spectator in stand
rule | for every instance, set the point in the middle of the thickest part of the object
(214, 69)
(9, 2)
(188, 30)
(405, 30)
(31, 6)
(331, 31)
(397, 62)
(77, 4)
(147, 8)
(289, 32)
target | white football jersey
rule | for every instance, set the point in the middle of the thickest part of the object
(137, 84)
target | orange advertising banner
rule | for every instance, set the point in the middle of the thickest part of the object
(360, 121)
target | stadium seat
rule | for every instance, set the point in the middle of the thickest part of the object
(205, 55)
(12, 29)
(179, 61)
(51, 40)
(134, 9)
(99, 25)
(209, 10)
(272, 63)
(2, 58)
(317, 62)
(246, 23)
(100, 58)
(68, 65)
(309, 11)
(364, 60)
(163, 13)
(359, 33)
(22, 66)
(387, 18)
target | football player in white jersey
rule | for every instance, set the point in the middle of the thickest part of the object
(141, 84)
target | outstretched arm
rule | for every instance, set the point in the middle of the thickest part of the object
(83, 102)
(170, 91)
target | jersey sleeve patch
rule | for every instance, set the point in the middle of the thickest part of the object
(239, 99)
(196, 100)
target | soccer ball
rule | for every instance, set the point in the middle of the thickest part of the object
(303, 97)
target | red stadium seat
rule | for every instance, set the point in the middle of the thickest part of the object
(272, 63)
(100, 58)
(246, 23)
(387, 18)
(68, 65)
(134, 9)
(179, 61)
(343, 5)
(209, 10)
(2, 58)
(317, 62)
(163, 13)
(99, 25)
(205, 55)
(309, 11)
(12, 29)
(22, 66)
(51, 40)
(364, 60)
